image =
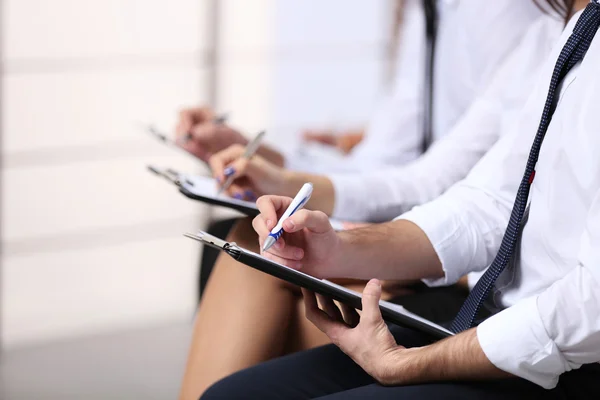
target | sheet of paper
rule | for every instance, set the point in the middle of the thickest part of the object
(206, 187)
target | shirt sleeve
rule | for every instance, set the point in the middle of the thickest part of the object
(558, 330)
(393, 134)
(465, 225)
(392, 139)
(385, 193)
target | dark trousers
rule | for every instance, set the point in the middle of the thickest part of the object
(327, 373)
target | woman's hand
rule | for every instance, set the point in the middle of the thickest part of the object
(253, 177)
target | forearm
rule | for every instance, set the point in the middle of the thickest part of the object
(457, 358)
(394, 250)
(271, 155)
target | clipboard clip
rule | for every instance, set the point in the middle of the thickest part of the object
(169, 174)
(212, 241)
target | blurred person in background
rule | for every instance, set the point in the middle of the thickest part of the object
(237, 296)
(529, 210)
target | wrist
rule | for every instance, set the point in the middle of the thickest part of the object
(340, 265)
(406, 366)
(289, 182)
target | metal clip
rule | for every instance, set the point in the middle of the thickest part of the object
(170, 174)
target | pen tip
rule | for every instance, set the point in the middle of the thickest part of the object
(269, 241)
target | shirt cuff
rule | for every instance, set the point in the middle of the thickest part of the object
(346, 187)
(441, 236)
(515, 340)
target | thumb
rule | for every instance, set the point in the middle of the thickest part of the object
(370, 302)
(315, 221)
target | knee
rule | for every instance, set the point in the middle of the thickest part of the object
(218, 391)
(230, 388)
(244, 235)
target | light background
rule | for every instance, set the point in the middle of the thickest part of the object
(91, 242)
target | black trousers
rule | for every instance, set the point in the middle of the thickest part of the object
(327, 373)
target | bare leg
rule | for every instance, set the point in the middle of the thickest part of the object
(243, 319)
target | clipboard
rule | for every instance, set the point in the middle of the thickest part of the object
(390, 312)
(202, 188)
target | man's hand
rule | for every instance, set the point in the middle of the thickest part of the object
(199, 133)
(308, 243)
(253, 177)
(365, 338)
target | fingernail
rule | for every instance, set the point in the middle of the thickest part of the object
(218, 179)
(250, 194)
(298, 253)
(237, 196)
(289, 224)
(229, 171)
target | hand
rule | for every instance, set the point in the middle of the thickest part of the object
(365, 338)
(308, 243)
(253, 177)
(344, 142)
(198, 133)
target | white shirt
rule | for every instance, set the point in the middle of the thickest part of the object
(464, 66)
(381, 195)
(552, 288)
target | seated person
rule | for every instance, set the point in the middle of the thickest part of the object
(281, 329)
(528, 211)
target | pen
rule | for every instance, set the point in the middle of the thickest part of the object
(299, 201)
(251, 148)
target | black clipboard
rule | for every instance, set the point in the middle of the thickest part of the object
(390, 313)
(188, 186)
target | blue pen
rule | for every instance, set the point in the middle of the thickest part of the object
(299, 201)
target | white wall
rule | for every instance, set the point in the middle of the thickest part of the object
(91, 241)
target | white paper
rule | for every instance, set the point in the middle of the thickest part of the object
(207, 187)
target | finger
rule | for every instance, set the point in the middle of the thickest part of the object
(237, 191)
(293, 264)
(191, 116)
(261, 226)
(350, 315)
(222, 160)
(284, 250)
(330, 308)
(203, 133)
(236, 168)
(320, 319)
(185, 122)
(271, 207)
(370, 302)
(316, 221)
